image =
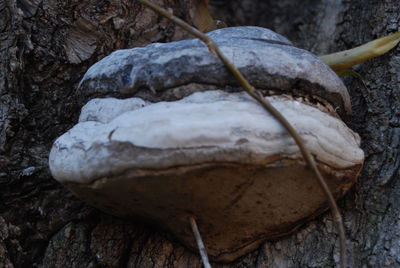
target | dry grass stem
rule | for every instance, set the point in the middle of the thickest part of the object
(200, 244)
(275, 113)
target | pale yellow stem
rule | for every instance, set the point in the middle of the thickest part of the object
(343, 60)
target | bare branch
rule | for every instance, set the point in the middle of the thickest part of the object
(200, 244)
(274, 112)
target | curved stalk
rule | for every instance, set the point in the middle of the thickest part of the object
(274, 112)
(200, 244)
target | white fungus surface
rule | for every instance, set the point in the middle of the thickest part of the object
(205, 126)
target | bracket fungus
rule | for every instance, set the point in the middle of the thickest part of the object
(173, 136)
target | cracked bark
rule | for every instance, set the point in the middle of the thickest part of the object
(46, 46)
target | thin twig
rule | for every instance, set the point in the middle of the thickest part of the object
(200, 244)
(274, 112)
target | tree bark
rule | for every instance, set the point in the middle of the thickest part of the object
(46, 47)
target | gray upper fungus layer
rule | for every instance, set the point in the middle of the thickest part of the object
(266, 59)
(213, 154)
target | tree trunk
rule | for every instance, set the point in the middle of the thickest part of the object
(46, 47)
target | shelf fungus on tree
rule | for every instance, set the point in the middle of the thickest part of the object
(173, 135)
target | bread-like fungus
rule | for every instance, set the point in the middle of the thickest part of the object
(184, 141)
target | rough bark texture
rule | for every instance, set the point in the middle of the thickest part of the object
(46, 46)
